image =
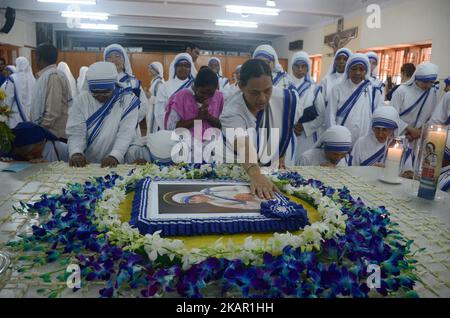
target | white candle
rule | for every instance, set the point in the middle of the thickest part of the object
(392, 164)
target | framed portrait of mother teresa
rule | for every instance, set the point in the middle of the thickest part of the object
(205, 198)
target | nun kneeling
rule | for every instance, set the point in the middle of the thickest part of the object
(332, 147)
(371, 149)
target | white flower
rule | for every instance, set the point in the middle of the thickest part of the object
(3, 119)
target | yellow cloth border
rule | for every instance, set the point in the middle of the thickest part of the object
(208, 240)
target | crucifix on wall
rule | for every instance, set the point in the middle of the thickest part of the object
(340, 38)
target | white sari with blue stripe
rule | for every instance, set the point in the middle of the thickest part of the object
(18, 112)
(98, 130)
(352, 106)
(310, 95)
(415, 107)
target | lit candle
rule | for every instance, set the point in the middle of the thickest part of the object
(392, 164)
(432, 154)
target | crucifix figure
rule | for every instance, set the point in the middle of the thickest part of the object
(340, 38)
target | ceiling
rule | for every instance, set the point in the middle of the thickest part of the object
(171, 22)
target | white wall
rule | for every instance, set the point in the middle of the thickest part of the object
(22, 34)
(402, 22)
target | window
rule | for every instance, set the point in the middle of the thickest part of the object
(392, 59)
(316, 63)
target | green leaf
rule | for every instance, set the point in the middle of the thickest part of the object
(46, 278)
(41, 290)
(53, 294)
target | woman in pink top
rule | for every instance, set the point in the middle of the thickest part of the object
(202, 102)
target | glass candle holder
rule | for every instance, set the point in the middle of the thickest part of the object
(432, 149)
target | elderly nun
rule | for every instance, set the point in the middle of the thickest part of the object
(309, 126)
(180, 76)
(102, 120)
(353, 101)
(64, 68)
(280, 78)
(215, 64)
(336, 72)
(415, 100)
(156, 69)
(116, 54)
(19, 89)
(374, 62)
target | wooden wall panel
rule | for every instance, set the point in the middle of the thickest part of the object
(139, 64)
(76, 60)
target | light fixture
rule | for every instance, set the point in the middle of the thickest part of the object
(93, 2)
(94, 26)
(271, 3)
(237, 24)
(85, 15)
(252, 10)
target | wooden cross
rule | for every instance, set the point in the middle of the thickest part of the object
(340, 38)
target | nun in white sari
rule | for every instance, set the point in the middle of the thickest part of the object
(280, 78)
(215, 64)
(173, 85)
(116, 54)
(444, 177)
(333, 146)
(309, 127)
(371, 150)
(157, 70)
(374, 62)
(19, 89)
(156, 147)
(64, 68)
(441, 115)
(353, 101)
(233, 88)
(336, 73)
(99, 131)
(282, 112)
(415, 100)
(81, 78)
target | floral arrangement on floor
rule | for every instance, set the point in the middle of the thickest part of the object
(328, 258)
(6, 135)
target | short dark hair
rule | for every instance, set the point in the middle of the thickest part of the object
(254, 68)
(191, 45)
(47, 52)
(206, 77)
(408, 69)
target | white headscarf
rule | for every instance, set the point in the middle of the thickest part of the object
(386, 117)
(425, 72)
(372, 56)
(82, 77)
(336, 138)
(358, 58)
(301, 58)
(218, 61)
(160, 145)
(268, 52)
(24, 81)
(158, 68)
(180, 57)
(343, 51)
(11, 69)
(101, 75)
(116, 48)
(64, 68)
